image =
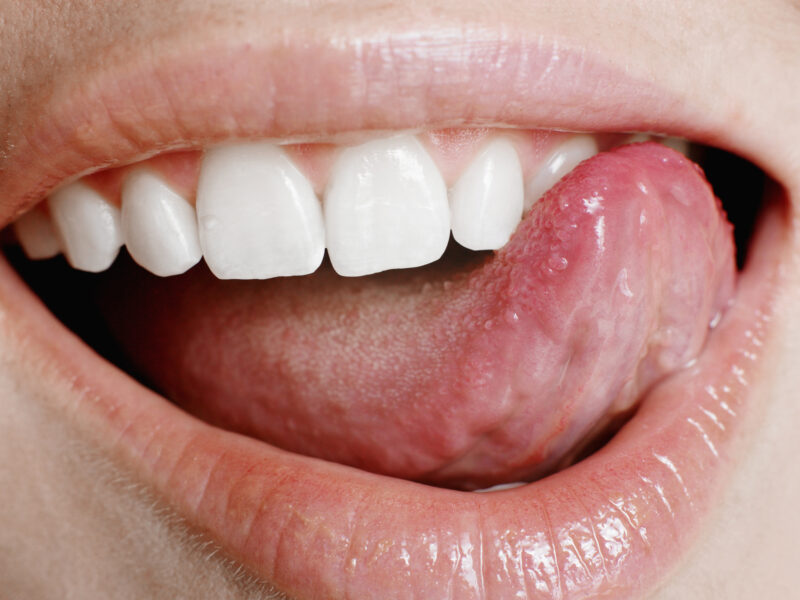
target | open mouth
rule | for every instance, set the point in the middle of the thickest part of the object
(522, 358)
(383, 323)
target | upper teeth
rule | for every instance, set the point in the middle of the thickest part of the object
(88, 226)
(385, 206)
(486, 201)
(160, 228)
(561, 161)
(258, 215)
(35, 233)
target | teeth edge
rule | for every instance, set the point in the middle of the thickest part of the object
(385, 207)
(87, 226)
(159, 226)
(248, 196)
(90, 230)
(486, 202)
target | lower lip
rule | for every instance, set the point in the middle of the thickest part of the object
(612, 524)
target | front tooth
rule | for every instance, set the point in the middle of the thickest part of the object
(486, 201)
(36, 235)
(89, 227)
(257, 213)
(159, 226)
(385, 208)
(566, 157)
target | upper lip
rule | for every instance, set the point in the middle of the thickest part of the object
(302, 86)
(250, 89)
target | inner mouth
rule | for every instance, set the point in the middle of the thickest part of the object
(243, 355)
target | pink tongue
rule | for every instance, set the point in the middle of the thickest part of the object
(463, 375)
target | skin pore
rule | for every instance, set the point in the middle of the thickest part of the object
(80, 520)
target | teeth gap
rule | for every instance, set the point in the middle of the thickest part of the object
(386, 203)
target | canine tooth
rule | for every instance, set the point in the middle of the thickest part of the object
(36, 235)
(385, 208)
(159, 226)
(89, 227)
(561, 161)
(258, 215)
(486, 201)
(678, 144)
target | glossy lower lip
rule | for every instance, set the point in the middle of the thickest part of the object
(613, 524)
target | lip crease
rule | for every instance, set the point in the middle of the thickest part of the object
(612, 524)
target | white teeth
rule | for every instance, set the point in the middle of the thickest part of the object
(560, 162)
(385, 208)
(159, 226)
(257, 216)
(89, 227)
(486, 201)
(257, 213)
(36, 235)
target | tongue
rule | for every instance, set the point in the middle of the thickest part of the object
(471, 372)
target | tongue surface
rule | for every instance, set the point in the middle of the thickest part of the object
(468, 373)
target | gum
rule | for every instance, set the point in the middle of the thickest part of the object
(451, 150)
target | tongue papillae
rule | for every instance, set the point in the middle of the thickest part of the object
(473, 371)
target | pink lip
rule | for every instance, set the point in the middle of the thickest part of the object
(613, 524)
(307, 85)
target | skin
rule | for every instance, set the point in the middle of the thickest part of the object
(77, 522)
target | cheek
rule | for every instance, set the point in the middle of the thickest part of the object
(76, 519)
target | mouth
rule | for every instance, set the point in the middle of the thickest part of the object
(327, 425)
